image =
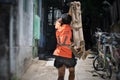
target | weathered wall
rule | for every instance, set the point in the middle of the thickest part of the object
(25, 20)
(22, 42)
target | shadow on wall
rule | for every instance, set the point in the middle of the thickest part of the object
(4, 37)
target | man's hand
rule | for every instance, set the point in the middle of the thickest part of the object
(58, 23)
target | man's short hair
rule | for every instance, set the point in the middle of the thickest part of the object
(66, 18)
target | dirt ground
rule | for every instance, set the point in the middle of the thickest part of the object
(44, 70)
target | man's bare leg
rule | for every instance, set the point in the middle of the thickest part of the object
(71, 73)
(61, 73)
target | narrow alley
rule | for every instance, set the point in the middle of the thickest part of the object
(28, 36)
(44, 70)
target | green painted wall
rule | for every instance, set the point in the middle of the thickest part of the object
(36, 29)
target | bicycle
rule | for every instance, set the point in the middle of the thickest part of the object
(102, 61)
(97, 62)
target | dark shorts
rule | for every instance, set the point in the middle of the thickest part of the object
(68, 62)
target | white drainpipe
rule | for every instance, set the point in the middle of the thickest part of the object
(11, 57)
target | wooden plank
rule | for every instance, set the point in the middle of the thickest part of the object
(78, 36)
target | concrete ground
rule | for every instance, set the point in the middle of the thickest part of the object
(44, 70)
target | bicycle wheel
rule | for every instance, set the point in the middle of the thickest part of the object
(98, 63)
(108, 70)
(108, 64)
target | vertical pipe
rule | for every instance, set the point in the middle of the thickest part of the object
(41, 40)
(11, 57)
(40, 8)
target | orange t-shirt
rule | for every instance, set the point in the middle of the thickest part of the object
(63, 35)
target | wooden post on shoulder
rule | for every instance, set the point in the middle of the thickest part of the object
(78, 37)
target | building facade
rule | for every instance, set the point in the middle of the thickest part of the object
(17, 37)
